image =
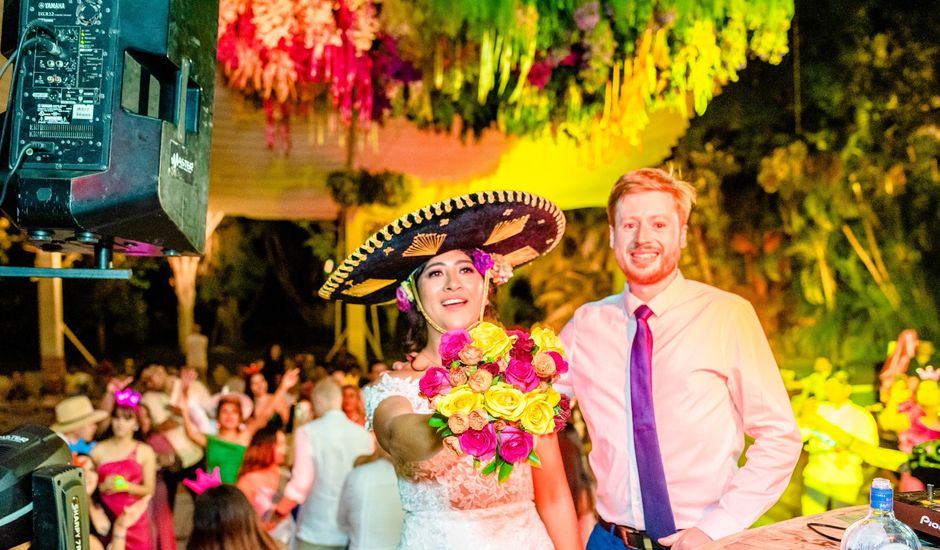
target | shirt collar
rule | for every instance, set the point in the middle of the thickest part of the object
(661, 302)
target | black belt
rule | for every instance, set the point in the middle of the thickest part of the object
(632, 538)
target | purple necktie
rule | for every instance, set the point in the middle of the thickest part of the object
(649, 463)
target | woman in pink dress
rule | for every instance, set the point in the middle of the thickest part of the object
(127, 468)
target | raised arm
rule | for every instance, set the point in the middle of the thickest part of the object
(192, 431)
(266, 409)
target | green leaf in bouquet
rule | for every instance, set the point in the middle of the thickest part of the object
(476, 463)
(445, 432)
(504, 470)
(534, 459)
(437, 421)
(490, 468)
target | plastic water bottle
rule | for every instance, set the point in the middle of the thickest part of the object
(880, 529)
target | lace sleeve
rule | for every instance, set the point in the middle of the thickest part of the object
(389, 386)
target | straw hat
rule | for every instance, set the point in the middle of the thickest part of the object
(74, 413)
(518, 226)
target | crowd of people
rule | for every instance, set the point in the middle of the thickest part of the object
(154, 429)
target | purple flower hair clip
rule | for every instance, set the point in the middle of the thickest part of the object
(127, 398)
(404, 296)
(496, 265)
(481, 260)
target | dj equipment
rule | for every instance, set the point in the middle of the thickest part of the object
(42, 496)
(920, 511)
(111, 123)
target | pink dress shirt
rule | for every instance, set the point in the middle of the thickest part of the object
(714, 380)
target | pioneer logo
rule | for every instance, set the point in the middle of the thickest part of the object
(76, 523)
(924, 520)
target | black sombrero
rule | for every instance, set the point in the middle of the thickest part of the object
(520, 226)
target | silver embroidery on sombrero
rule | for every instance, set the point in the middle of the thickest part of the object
(425, 244)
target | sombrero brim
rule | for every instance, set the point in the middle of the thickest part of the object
(94, 417)
(518, 225)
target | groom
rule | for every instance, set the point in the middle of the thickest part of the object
(670, 375)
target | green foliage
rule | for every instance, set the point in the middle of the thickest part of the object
(362, 187)
(853, 200)
(577, 271)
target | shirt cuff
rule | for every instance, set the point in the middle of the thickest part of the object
(719, 524)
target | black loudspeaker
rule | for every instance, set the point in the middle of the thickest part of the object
(110, 129)
(42, 496)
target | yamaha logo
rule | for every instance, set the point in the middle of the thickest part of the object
(14, 438)
(52, 5)
(180, 163)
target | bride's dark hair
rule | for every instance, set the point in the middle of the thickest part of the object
(416, 327)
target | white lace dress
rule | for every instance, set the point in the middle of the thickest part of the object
(449, 505)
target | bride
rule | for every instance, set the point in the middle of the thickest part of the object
(447, 502)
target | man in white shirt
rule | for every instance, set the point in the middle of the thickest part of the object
(370, 509)
(324, 452)
(710, 378)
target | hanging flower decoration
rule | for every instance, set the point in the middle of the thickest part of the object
(285, 52)
(591, 69)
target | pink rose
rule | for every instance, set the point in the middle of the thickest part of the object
(521, 375)
(478, 419)
(514, 444)
(561, 366)
(459, 423)
(457, 376)
(544, 365)
(436, 381)
(481, 380)
(480, 444)
(452, 342)
(522, 349)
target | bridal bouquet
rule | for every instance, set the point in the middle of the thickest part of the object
(494, 393)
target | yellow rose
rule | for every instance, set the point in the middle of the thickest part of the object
(504, 401)
(460, 400)
(547, 340)
(552, 396)
(538, 417)
(491, 339)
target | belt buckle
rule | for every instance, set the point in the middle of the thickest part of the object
(634, 539)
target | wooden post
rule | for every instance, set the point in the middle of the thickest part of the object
(51, 335)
